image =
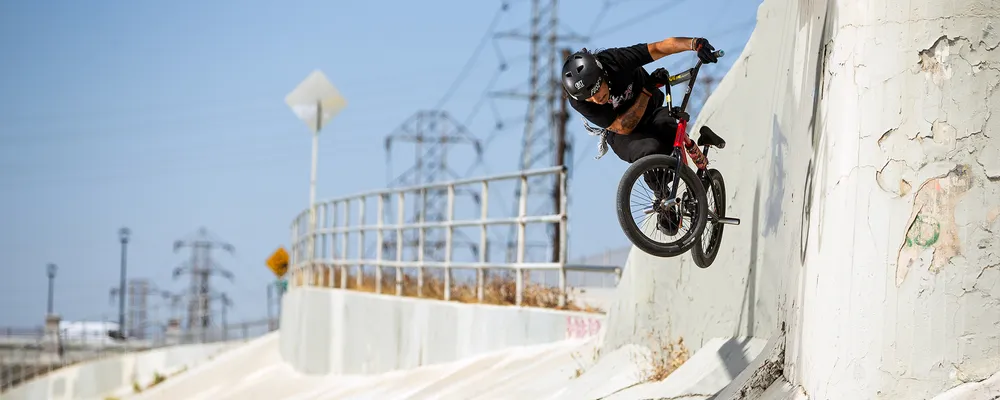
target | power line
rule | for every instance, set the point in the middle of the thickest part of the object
(474, 57)
(659, 9)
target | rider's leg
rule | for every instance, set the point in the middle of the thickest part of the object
(655, 135)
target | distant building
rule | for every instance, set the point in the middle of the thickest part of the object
(90, 332)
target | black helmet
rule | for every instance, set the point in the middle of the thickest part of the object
(582, 75)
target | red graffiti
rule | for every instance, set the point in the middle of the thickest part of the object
(582, 327)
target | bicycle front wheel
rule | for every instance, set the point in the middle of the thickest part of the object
(647, 214)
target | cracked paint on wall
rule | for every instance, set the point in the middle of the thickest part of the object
(932, 60)
(932, 224)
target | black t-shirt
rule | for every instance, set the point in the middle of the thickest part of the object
(626, 78)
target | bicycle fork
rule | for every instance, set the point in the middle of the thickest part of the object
(680, 144)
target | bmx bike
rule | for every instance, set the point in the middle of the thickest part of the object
(671, 208)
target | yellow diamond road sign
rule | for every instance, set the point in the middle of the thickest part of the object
(278, 262)
(315, 93)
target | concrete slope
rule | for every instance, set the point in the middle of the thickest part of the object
(116, 375)
(621, 374)
(864, 163)
(256, 371)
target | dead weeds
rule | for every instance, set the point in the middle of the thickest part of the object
(664, 358)
(499, 289)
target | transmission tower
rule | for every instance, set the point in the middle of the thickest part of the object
(432, 133)
(138, 292)
(544, 141)
(201, 267)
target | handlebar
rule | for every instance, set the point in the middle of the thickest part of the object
(686, 75)
(691, 75)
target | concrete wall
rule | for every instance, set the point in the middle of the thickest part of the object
(864, 163)
(336, 331)
(111, 376)
(900, 296)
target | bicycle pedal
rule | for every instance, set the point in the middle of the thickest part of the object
(728, 221)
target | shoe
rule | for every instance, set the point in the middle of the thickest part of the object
(668, 222)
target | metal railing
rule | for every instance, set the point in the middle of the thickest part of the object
(321, 240)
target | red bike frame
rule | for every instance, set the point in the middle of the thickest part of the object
(681, 139)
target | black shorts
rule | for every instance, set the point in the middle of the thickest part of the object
(655, 135)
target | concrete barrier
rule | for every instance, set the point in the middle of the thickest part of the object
(326, 331)
(113, 376)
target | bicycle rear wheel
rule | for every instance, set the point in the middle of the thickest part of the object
(688, 211)
(706, 249)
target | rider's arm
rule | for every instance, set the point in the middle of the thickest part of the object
(669, 46)
(627, 121)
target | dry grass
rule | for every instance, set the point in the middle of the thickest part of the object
(664, 359)
(582, 365)
(497, 290)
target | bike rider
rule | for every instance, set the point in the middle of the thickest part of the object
(612, 90)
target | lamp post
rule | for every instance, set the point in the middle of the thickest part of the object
(50, 270)
(123, 235)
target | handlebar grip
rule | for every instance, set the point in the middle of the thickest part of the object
(719, 53)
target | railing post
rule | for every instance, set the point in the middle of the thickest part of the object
(522, 211)
(401, 211)
(311, 236)
(361, 242)
(343, 244)
(293, 256)
(447, 242)
(483, 244)
(563, 219)
(324, 211)
(331, 266)
(380, 240)
(420, 242)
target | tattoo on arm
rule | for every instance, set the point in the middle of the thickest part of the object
(626, 122)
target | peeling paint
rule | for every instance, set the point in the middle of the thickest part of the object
(890, 178)
(939, 143)
(931, 225)
(989, 158)
(933, 60)
(992, 215)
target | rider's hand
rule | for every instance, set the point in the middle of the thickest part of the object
(660, 75)
(705, 51)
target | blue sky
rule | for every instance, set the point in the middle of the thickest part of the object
(166, 117)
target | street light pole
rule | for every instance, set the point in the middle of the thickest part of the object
(51, 272)
(123, 235)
